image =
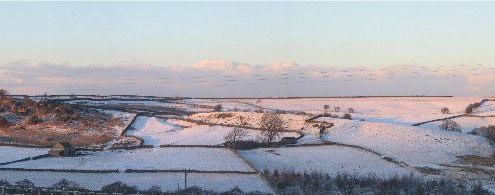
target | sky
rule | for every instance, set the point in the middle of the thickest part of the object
(218, 49)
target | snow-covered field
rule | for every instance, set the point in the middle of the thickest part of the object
(158, 132)
(486, 109)
(167, 181)
(203, 159)
(467, 123)
(9, 154)
(413, 145)
(327, 159)
(398, 110)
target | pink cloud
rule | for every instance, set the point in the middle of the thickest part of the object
(224, 66)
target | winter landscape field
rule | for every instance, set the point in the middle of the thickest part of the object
(221, 144)
(247, 97)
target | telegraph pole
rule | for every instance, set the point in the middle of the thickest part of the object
(185, 179)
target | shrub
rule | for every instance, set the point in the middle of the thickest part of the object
(24, 183)
(119, 187)
(471, 107)
(445, 110)
(272, 127)
(217, 108)
(347, 116)
(450, 125)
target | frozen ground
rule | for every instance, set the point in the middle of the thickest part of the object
(327, 159)
(413, 145)
(167, 181)
(9, 154)
(203, 159)
(158, 132)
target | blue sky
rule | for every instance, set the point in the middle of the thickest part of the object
(310, 33)
(246, 38)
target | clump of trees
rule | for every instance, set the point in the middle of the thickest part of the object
(445, 110)
(65, 184)
(471, 107)
(320, 183)
(119, 187)
(488, 132)
(25, 183)
(450, 125)
(234, 136)
(217, 108)
(272, 127)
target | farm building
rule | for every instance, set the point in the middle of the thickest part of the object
(62, 149)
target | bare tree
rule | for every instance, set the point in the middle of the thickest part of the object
(445, 110)
(326, 107)
(450, 125)
(234, 136)
(351, 110)
(272, 126)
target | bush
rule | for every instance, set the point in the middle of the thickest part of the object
(445, 110)
(471, 107)
(450, 125)
(347, 116)
(217, 108)
(119, 187)
(24, 183)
